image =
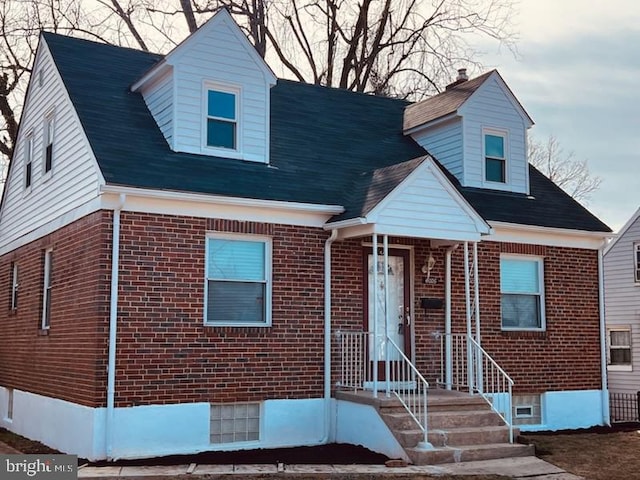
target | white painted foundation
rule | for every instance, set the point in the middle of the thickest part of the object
(154, 430)
(569, 410)
(359, 424)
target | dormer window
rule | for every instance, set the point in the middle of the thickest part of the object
(495, 157)
(222, 118)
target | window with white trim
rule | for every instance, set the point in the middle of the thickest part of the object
(636, 261)
(48, 143)
(28, 161)
(238, 283)
(14, 286)
(221, 125)
(522, 292)
(495, 156)
(46, 289)
(619, 347)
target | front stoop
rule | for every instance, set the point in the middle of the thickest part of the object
(462, 428)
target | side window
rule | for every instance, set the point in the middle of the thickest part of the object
(48, 143)
(495, 157)
(28, 161)
(222, 119)
(522, 293)
(46, 289)
(619, 348)
(238, 283)
(636, 261)
(14, 286)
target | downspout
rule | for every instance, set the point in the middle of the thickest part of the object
(448, 356)
(113, 327)
(327, 335)
(603, 338)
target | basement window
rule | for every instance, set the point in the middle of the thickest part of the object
(235, 422)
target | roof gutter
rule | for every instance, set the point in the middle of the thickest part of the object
(351, 222)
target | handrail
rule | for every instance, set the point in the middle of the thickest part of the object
(411, 388)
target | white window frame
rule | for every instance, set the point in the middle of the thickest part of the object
(15, 285)
(636, 263)
(46, 289)
(620, 367)
(505, 139)
(540, 262)
(224, 88)
(28, 162)
(268, 260)
(48, 139)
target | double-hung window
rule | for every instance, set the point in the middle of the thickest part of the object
(14, 286)
(495, 157)
(619, 348)
(48, 143)
(522, 293)
(28, 161)
(636, 262)
(238, 283)
(46, 290)
(222, 118)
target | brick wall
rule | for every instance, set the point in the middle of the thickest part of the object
(564, 357)
(166, 354)
(69, 360)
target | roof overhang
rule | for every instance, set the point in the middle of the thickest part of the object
(217, 206)
(554, 237)
(622, 231)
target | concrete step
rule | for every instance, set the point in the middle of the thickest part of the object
(408, 438)
(466, 418)
(456, 404)
(469, 453)
(469, 436)
(398, 420)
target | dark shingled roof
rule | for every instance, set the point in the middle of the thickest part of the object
(328, 146)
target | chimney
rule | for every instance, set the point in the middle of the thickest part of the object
(462, 77)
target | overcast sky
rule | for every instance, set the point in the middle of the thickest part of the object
(577, 75)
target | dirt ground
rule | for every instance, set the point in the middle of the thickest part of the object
(599, 453)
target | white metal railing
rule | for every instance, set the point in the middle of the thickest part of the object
(401, 378)
(486, 377)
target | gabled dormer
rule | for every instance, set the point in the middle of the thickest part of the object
(477, 129)
(210, 95)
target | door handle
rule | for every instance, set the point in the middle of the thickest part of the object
(407, 317)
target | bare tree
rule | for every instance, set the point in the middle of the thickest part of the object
(404, 48)
(570, 174)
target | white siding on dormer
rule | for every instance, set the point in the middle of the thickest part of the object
(490, 107)
(74, 178)
(159, 100)
(622, 303)
(216, 56)
(444, 143)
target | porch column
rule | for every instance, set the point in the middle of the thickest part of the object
(376, 359)
(387, 366)
(467, 294)
(476, 301)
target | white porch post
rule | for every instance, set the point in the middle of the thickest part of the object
(476, 301)
(467, 294)
(374, 305)
(387, 366)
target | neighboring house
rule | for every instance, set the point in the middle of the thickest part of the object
(622, 307)
(187, 246)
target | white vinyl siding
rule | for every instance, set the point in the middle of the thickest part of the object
(218, 56)
(444, 142)
(490, 108)
(622, 303)
(238, 280)
(159, 100)
(76, 176)
(522, 293)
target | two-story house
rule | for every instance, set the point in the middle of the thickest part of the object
(199, 256)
